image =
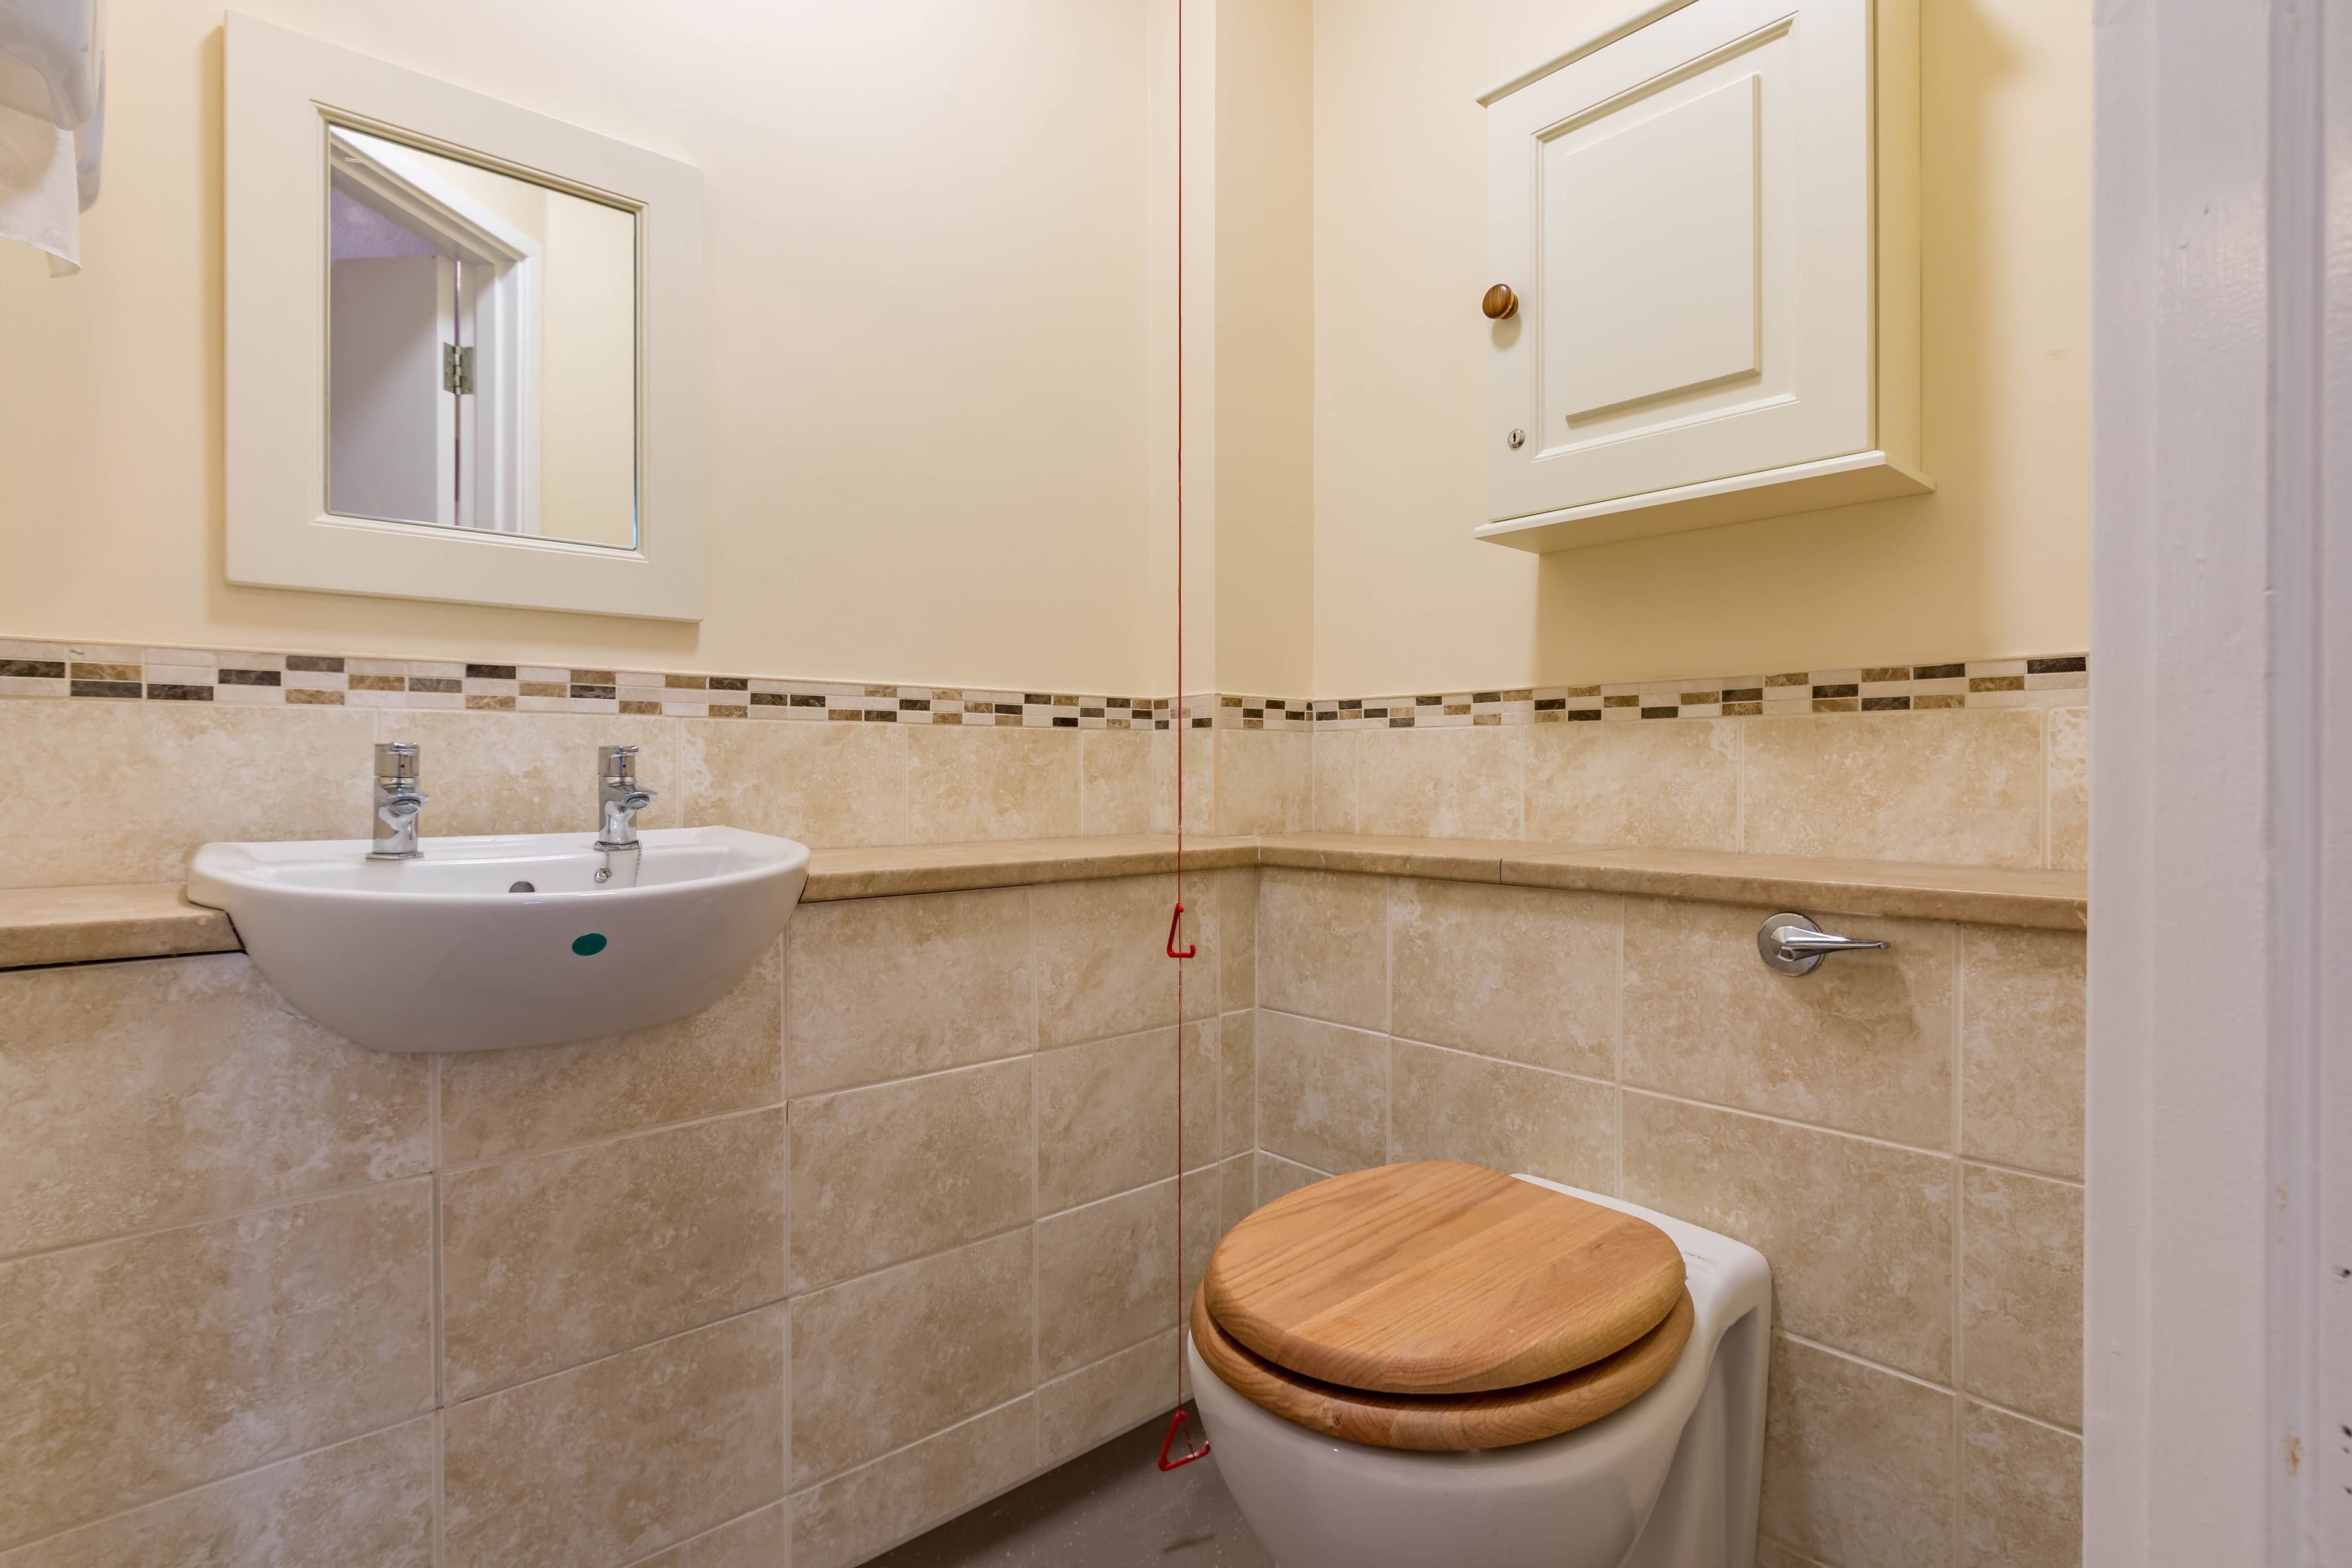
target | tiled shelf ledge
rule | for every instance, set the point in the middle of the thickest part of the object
(42, 926)
(88, 925)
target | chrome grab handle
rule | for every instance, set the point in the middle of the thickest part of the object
(1795, 945)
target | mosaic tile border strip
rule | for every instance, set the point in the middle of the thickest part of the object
(295, 679)
(2058, 681)
(110, 672)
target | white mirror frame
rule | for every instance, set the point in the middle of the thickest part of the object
(283, 90)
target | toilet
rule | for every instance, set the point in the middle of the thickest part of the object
(1435, 1364)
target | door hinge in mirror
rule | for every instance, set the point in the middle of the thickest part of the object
(457, 368)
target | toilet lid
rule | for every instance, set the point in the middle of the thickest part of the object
(1446, 1422)
(1439, 1278)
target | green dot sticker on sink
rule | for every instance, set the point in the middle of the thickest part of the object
(589, 946)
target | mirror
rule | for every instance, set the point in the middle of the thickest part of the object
(482, 343)
(463, 347)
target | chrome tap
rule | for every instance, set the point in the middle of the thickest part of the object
(397, 802)
(619, 797)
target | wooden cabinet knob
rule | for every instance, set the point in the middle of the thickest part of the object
(1500, 303)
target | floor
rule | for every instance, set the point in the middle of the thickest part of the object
(1111, 1507)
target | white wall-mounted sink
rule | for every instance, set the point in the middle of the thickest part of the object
(448, 954)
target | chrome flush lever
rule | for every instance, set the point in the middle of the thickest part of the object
(1795, 945)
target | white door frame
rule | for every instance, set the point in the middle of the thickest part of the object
(2219, 1404)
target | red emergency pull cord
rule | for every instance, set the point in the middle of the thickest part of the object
(1173, 921)
(1176, 1424)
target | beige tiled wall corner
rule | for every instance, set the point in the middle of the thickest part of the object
(1664, 784)
(1865, 1126)
(2022, 1492)
(368, 1500)
(1333, 805)
(1466, 783)
(615, 1459)
(2070, 789)
(825, 785)
(137, 1367)
(964, 783)
(1265, 782)
(1859, 1463)
(146, 1093)
(853, 1515)
(1859, 1233)
(146, 783)
(1993, 786)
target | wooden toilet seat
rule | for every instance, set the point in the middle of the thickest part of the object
(1437, 1305)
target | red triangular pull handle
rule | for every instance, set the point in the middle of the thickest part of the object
(1173, 922)
(1176, 1424)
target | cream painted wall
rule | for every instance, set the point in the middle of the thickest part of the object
(1994, 563)
(587, 467)
(1265, 346)
(928, 365)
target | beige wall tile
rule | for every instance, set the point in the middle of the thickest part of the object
(1671, 784)
(1863, 1043)
(2022, 1294)
(1455, 783)
(1859, 1235)
(828, 786)
(1237, 1191)
(619, 1459)
(882, 1361)
(1106, 1274)
(2022, 1493)
(1101, 955)
(135, 1368)
(1277, 1177)
(1120, 789)
(726, 1058)
(885, 988)
(883, 1175)
(531, 772)
(1237, 1083)
(1322, 945)
(1264, 781)
(761, 1539)
(1445, 1105)
(1322, 1093)
(137, 809)
(1525, 974)
(549, 1261)
(849, 1518)
(2021, 1047)
(1857, 1462)
(369, 1501)
(1107, 1113)
(965, 783)
(1237, 899)
(1334, 802)
(1200, 754)
(1099, 1401)
(2070, 789)
(134, 1095)
(1956, 786)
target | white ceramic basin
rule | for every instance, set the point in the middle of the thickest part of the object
(438, 954)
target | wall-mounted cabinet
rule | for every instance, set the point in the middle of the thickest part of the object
(1707, 221)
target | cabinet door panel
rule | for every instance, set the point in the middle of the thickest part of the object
(1685, 215)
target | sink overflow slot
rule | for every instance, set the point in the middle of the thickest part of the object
(522, 888)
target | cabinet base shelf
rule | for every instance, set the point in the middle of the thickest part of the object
(1743, 498)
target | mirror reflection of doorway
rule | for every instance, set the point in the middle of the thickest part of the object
(435, 333)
